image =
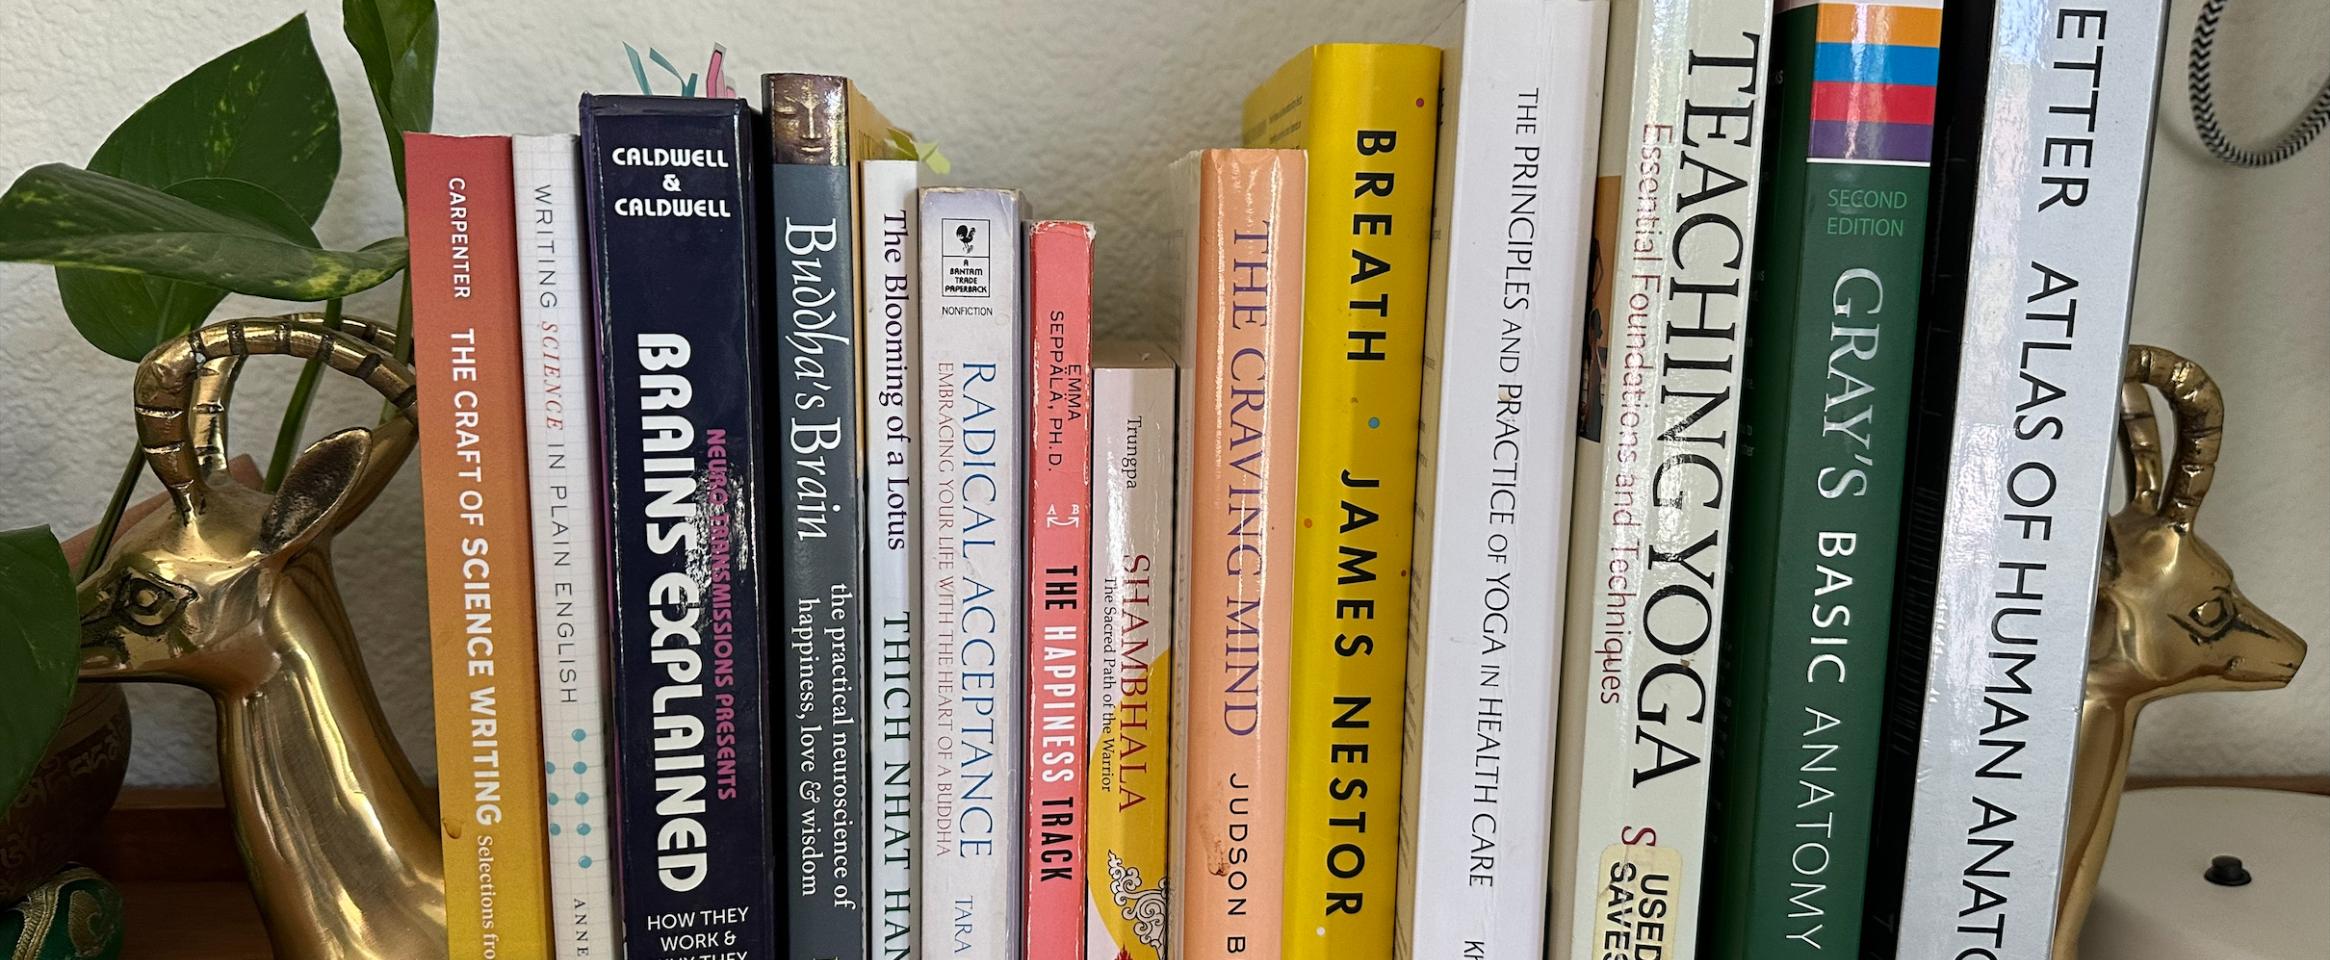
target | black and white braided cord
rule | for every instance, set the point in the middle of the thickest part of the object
(2204, 105)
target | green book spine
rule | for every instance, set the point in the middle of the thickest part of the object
(1830, 353)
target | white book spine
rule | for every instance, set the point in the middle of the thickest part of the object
(1521, 103)
(1648, 631)
(2059, 201)
(974, 469)
(893, 423)
(563, 487)
(1134, 487)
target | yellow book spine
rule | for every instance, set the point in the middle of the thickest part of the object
(1366, 113)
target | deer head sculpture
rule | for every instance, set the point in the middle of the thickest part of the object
(231, 591)
(2168, 619)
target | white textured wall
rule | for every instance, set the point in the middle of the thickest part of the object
(1091, 102)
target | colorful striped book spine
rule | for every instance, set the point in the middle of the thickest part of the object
(1831, 338)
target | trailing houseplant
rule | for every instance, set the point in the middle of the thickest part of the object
(212, 187)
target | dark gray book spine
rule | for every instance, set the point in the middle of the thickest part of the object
(820, 530)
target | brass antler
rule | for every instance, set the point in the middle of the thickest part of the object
(183, 388)
(2200, 428)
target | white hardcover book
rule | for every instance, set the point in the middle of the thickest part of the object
(2059, 202)
(1134, 488)
(893, 424)
(974, 568)
(1645, 632)
(1521, 93)
(563, 487)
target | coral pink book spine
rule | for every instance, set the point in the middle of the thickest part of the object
(1059, 583)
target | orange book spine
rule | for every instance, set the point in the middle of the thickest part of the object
(1241, 345)
(479, 547)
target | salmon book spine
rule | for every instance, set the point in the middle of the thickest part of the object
(1241, 331)
(671, 210)
(820, 524)
(1059, 584)
(478, 541)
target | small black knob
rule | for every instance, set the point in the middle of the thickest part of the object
(2226, 872)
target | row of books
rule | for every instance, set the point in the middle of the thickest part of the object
(1397, 608)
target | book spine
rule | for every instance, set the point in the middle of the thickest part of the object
(569, 586)
(1662, 527)
(675, 255)
(893, 538)
(1933, 401)
(2046, 325)
(1580, 680)
(1833, 328)
(1512, 207)
(1241, 340)
(974, 577)
(820, 517)
(1059, 583)
(1368, 124)
(1131, 634)
(472, 410)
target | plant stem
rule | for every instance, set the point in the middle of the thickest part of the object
(404, 336)
(404, 322)
(295, 413)
(102, 540)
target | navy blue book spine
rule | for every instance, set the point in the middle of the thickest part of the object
(675, 250)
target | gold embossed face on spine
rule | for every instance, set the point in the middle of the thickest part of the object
(804, 118)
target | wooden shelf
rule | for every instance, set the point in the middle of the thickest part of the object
(192, 920)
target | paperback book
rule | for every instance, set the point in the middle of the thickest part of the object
(471, 404)
(1127, 779)
(891, 398)
(1681, 157)
(2048, 294)
(1365, 113)
(569, 588)
(1520, 99)
(1059, 379)
(974, 575)
(671, 204)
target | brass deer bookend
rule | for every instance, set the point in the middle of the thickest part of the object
(2168, 620)
(232, 592)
